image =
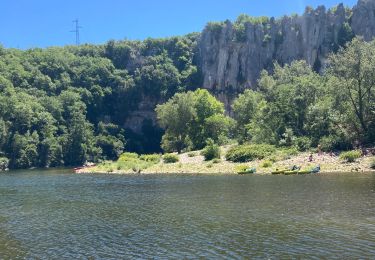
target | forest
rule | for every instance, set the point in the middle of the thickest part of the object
(63, 106)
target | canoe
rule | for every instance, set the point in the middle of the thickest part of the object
(304, 172)
(248, 171)
(290, 172)
(278, 172)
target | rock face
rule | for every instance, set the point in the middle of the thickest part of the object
(231, 57)
(363, 19)
(229, 63)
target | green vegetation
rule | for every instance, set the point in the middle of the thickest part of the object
(4, 163)
(241, 168)
(239, 26)
(297, 107)
(350, 156)
(266, 164)
(211, 151)
(247, 153)
(129, 161)
(217, 160)
(154, 158)
(65, 106)
(192, 154)
(190, 118)
(170, 158)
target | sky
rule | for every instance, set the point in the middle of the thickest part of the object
(42, 23)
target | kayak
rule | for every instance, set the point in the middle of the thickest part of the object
(304, 172)
(248, 171)
(290, 172)
(279, 172)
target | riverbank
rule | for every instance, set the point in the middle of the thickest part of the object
(193, 163)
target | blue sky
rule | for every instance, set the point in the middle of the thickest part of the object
(42, 23)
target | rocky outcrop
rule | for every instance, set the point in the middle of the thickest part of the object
(231, 55)
(363, 19)
(232, 63)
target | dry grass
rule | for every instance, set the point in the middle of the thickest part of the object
(197, 165)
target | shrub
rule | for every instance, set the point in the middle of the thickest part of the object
(128, 157)
(331, 143)
(350, 156)
(216, 160)
(4, 163)
(302, 143)
(192, 154)
(154, 158)
(372, 163)
(170, 158)
(246, 153)
(266, 164)
(135, 164)
(211, 151)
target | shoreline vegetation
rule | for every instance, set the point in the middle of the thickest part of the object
(194, 163)
(66, 106)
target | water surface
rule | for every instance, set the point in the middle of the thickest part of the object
(58, 215)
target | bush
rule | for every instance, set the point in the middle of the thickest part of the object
(211, 151)
(216, 160)
(331, 143)
(4, 163)
(246, 153)
(350, 156)
(170, 158)
(372, 163)
(154, 158)
(266, 164)
(302, 143)
(192, 154)
(128, 157)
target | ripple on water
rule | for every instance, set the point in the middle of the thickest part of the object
(64, 216)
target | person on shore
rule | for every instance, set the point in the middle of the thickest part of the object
(311, 157)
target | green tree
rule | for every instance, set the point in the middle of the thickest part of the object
(175, 116)
(245, 107)
(353, 68)
(189, 119)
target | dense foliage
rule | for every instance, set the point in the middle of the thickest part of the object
(190, 119)
(63, 106)
(296, 106)
(247, 153)
(170, 158)
(350, 156)
(211, 150)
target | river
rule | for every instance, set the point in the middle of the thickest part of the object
(55, 214)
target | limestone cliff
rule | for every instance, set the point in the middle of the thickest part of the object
(230, 61)
(231, 55)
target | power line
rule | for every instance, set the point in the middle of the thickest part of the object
(76, 30)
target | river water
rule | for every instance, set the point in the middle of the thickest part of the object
(59, 215)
